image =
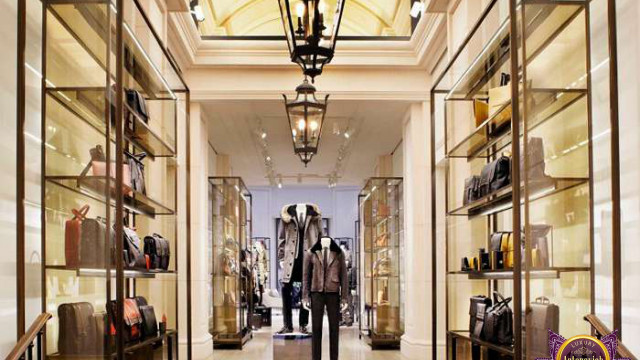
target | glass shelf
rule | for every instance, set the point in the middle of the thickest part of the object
(501, 200)
(128, 273)
(507, 274)
(485, 142)
(95, 187)
(88, 104)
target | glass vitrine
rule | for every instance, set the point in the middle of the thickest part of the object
(110, 183)
(232, 270)
(381, 207)
(516, 181)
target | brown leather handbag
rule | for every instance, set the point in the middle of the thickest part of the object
(73, 235)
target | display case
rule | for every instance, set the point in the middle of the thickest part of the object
(110, 118)
(232, 277)
(381, 214)
(513, 198)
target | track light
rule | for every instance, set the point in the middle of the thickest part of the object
(197, 12)
(417, 9)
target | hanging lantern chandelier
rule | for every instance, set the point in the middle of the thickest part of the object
(311, 37)
(306, 115)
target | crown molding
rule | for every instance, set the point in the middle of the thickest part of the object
(199, 53)
(409, 96)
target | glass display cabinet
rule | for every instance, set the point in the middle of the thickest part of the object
(515, 185)
(232, 276)
(110, 183)
(381, 216)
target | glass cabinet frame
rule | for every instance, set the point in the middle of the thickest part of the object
(382, 235)
(89, 191)
(544, 118)
(231, 261)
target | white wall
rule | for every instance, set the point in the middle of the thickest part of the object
(339, 205)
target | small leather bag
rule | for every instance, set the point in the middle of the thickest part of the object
(495, 251)
(498, 322)
(165, 254)
(500, 104)
(93, 244)
(480, 111)
(495, 175)
(151, 251)
(73, 236)
(132, 319)
(149, 322)
(137, 171)
(137, 103)
(98, 167)
(543, 316)
(471, 189)
(483, 258)
(134, 256)
(539, 245)
(474, 308)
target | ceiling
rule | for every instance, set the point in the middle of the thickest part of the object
(262, 17)
(235, 128)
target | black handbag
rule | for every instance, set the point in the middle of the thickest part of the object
(151, 250)
(477, 307)
(136, 166)
(133, 256)
(137, 103)
(495, 175)
(163, 251)
(149, 322)
(498, 322)
(471, 187)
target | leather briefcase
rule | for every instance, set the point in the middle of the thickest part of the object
(77, 336)
(544, 316)
(471, 189)
(164, 251)
(138, 104)
(149, 322)
(495, 176)
(475, 301)
(151, 250)
(93, 245)
(73, 236)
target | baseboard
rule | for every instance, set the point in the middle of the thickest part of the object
(414, 349)
(201, 348)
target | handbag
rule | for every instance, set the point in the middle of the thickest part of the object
(536, 173)
(98, 167)
(93, 244)
(76, 335)
(73, 236)
(539, 245)
(136, 167)
(543, 316)
(498, 322)
(495, 250)
(477, 307)
(495, 175)
(149, 322)
(137, 103)
(500, 101)
(480, 111)
(471, 189)
(165, 253)
(507, 249)
(133, 256)
(132, 319)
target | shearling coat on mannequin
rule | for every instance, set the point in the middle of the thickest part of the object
(301, 228)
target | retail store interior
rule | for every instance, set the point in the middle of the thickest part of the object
(319, 179)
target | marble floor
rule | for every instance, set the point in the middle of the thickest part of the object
(351, 347)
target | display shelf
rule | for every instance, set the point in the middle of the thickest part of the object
(464, 336)
(507, 274)
(87, 21)
(381, 293)
(88, 104)
(501, 200)
(484, 142)
(95, 272)
(230, 219)
(95, 187)
(545, 23)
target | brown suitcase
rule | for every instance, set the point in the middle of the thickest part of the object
(72, 236)
(544, 316)
(77, 330)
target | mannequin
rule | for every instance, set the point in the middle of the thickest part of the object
(325, 286)
(302, 225)
(260, 264)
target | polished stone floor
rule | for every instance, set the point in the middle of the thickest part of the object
(351, 347)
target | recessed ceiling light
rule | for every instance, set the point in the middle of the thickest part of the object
(346, 135)
(268, 158)
(263, 135)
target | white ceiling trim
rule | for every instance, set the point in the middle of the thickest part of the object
(409, 96)
(197, 53)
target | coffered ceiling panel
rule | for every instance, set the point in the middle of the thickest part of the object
(262, 18)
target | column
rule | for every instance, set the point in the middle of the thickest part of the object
(416, 341)
(202, 341)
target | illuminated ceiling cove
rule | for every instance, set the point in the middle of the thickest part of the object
(262, 18)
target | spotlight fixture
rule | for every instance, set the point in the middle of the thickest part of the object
(263, 135)
(268, 158)
(417, 9)
(196, 11)
(311, 37)
(306, 115)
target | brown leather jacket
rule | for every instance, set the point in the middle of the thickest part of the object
(314, 278)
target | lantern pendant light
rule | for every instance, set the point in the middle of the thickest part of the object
(311, 32)
(306, 116)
